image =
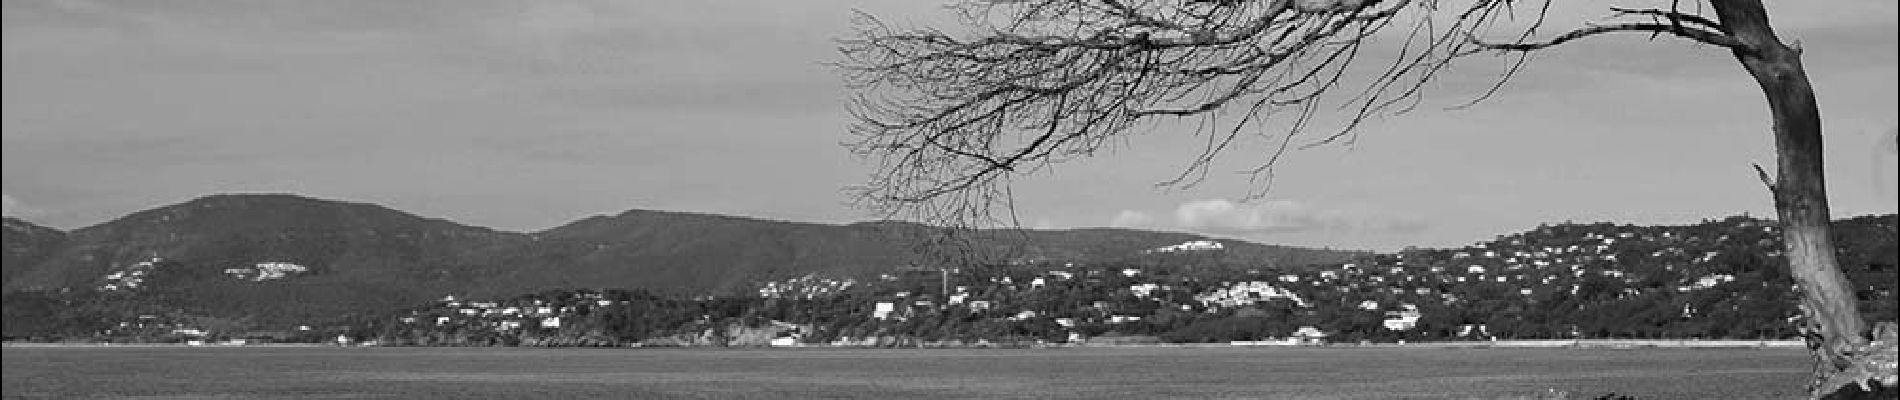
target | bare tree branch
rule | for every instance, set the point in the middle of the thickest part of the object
(948, 118)
(1673, 16)
(1765, 179)
(1696, 34)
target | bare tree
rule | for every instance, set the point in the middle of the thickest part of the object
(951, 117)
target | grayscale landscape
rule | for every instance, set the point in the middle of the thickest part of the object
(1330, 199)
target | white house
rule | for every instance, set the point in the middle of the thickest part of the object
(1309, 334)
(980, 304)
(1369, 305)
(1401, 320)
(1192, 245)
(1143, 290)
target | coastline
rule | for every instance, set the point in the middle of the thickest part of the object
(1552, 344)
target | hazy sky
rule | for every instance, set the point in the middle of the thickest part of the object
(524, 115)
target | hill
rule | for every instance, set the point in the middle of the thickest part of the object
(276, 260)
(26, 245)
(279, 257)
(687, 252)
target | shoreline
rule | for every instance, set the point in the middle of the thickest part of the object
(1550, 344)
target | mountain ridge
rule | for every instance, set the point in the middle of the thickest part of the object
(204, 256)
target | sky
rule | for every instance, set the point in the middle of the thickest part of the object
(524, 115)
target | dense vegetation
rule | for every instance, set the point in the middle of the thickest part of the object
(26, 245)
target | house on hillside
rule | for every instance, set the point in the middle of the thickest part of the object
(1402, 320)
(1142, 291)
(1309, 335)
(980, 304)
(788, 334)
(1369, 305)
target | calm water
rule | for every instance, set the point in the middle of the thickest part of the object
(404, 373)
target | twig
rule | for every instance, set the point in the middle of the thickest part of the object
(1765, 179)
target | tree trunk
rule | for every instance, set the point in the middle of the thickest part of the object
(1800, 188)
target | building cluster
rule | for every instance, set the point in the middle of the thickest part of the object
(1521, 269)
(1561, 258)
(1192, 245)
(1545, 264)
(129, 277)
(506, 316)
(809, 286)
(134, 276)
(266, 271)
(1240, 294)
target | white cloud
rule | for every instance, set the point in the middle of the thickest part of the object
(1220, 216)
(1132, 219)
(10, 204)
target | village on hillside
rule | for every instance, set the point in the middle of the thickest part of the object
(1714, 280)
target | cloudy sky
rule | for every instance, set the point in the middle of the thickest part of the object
(524, 115)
